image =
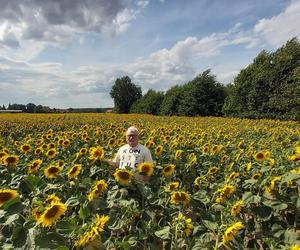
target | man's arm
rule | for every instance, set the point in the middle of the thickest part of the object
(112, 163)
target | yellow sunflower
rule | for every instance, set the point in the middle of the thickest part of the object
(232, 176)
(123, 176)
(158, 150)
(83, 151)
(51, 153)
(93, 232)
(51, 199)
(52, 214)
(180, 197)
(172, 186)
(213, 170)
(256, 176)
(36, 213)
(216, 149)
(236, 208)
(146, 168)
(34, 166)
(74, 171)
(260, 156)
(6, 195)
(25, 148)
(178, 154)
(10, 160)
(231, 232)
(96, 153)
(38, 150)
(97, 189)
(169, 170)
(52, 171)
(183, 224)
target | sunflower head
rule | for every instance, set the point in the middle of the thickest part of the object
(260, 156)
(6, 195)
(169, 170)
(236, 208)
(25, 148)
(123, 176)
(178, 154)
(96, 153)
(10, 160)
(51, 199)
(158, 150)
(180, 197)
(146, 168)
(52, 171)
(51, 153)
(74, 171)
(52, 213)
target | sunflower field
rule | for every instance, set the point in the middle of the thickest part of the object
(216, 183)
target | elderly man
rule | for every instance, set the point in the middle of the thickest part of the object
(131, 154)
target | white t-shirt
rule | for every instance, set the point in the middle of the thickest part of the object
(132, 157)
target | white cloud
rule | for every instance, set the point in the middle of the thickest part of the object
(50, 83)
(282, 27)
(27, 27)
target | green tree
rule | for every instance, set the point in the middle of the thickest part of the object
(202, 96)
(124, 93)
(149, 104)
(31, 108)
(269, 87)
(171, 101)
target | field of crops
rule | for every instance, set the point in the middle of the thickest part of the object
(217, 183)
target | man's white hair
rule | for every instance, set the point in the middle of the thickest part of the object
(132, 130)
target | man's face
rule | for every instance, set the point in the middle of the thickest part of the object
(132, 139)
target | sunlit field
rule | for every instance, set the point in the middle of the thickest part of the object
(217, 183)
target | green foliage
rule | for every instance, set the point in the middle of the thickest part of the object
(149, 103)
(269, 87)
(170, 103)
(202, 96)
(125, 93)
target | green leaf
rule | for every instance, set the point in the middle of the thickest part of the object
(72, 201)
(298, 203)
(163, 233)
(278, 205)
(62, 248)
(50, 240)
(263, 212)
(202, 196)
(66, 226)
(83, 212)
(10, 219)
(19, 236)
(210, 225)
(249, 198)
(290, 177)
(14, 207)
(290, 237)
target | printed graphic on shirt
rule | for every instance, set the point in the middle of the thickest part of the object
(130, 158)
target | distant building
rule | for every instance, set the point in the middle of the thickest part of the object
(11, 111)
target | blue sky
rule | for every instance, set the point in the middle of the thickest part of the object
(68, 53)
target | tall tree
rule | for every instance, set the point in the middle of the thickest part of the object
(202, 96)
(125, 93)
(269, 87)
(31, 108)
(170, 103)
(149, 103)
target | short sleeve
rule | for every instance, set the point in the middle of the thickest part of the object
(148, 156)
(117, 157)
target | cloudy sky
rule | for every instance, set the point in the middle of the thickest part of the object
(68, 53)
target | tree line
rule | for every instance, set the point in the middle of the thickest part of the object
(267, 88)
